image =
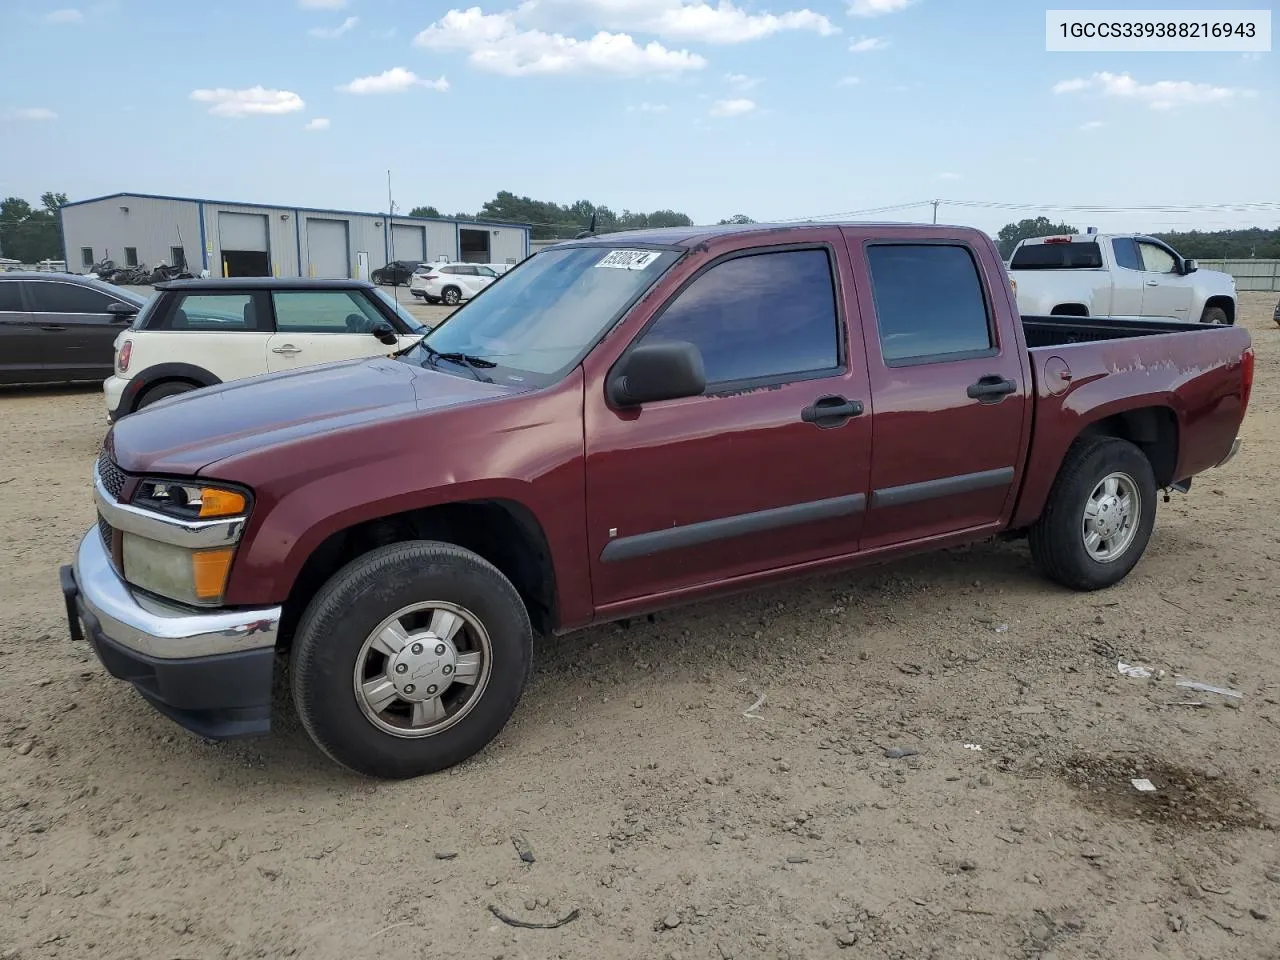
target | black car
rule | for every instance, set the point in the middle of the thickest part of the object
(396, 273)
(60, 327)
(1276, 316)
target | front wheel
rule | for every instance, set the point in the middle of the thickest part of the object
(410, 659)
(1098, 520)
(1215, 315)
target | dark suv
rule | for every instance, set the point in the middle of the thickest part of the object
(60, 327)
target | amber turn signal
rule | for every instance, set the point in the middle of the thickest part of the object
(209, 569)
(215, 502)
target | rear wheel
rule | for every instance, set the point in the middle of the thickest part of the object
(410, 659)
(451, 295)
(1214, 315)
(162, 390)
(1098, 520)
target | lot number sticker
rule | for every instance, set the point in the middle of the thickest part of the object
(629, 259)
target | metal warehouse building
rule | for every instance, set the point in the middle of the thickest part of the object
(257, 240)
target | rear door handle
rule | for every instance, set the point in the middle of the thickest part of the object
(52, 328)
(991, 389)
(1153, 283)
(831, 411)
(288, 349)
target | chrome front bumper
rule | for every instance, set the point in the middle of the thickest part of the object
(1235, 448)
(157, 630)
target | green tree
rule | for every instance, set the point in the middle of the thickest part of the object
(424, 212)
(28, 234)
(1225, 244)
(1011, 233)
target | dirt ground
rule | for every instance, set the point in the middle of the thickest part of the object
(662, 817)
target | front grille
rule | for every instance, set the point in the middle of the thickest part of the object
(104, 529)
(112, 477)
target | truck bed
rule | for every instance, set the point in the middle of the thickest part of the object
(1055, 331)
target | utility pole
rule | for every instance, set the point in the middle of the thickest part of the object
(935, 210)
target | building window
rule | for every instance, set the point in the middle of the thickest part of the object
(86, 256)
(178, 257)
(130, 256)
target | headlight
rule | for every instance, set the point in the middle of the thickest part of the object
(184, 554)
(189, 501)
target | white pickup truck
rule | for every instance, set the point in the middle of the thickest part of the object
(1117, 275)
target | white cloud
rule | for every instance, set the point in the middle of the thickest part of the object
(867, 44)
(395, 80)
(329, 33)
(322, 4)
(1091, 125)
(1160, 95)
(68, 15)
(877, 8)
(948, 176)
(848, 81)
(319, 123)
(648, 108)
(1070, 86)
(252, 101)
(741, 81)
(29, 113)
(671, 19)
(495, 44)
(732, 108)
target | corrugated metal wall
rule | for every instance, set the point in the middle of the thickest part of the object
(282, 238)
(152, 226)
(1251, 274)
(408, 241)
(507, 246)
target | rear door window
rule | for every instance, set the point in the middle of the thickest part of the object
(929, 303)
(1126, 252)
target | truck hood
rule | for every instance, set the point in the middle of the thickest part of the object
(185, 434)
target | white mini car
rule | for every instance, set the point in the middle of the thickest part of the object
(197, 333)
(450, 283)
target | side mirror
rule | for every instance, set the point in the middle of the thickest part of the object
(1190, 266)
(386, 334)
(661, 370)
(121, 311)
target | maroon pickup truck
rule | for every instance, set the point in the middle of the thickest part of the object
(619, 425)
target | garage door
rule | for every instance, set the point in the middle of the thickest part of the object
(242, 231)
(409, 243)
(327, 250)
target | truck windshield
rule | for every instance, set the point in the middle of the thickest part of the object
(540, 319)
(1057, 256)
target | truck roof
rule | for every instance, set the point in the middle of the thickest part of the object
(1081, 238)
(693, 235)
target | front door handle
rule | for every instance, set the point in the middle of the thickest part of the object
(52, 328)
(1153, 283)
(991, 389)
(288, 349)
(831, 411)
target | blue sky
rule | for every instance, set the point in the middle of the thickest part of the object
(778, 110)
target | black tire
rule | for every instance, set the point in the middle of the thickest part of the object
(376, 277)
(161, 390)
(1215, 315)
(452, 296)
(1056, 539)
(346, 611)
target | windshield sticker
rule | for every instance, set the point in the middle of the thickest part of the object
(629, 259)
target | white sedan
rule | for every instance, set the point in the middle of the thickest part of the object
(450, 283)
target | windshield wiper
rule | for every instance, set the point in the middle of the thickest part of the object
(473, 364)
(417, 343)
